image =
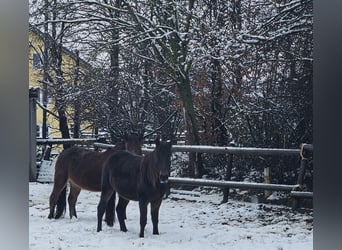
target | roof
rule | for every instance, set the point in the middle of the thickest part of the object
(65, 50)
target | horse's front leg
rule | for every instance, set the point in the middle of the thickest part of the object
(143, 216)
(155, 205)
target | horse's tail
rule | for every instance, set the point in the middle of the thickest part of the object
(110, 211)
(61, 203)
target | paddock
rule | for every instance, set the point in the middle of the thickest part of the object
(188, 219)
(191, 220)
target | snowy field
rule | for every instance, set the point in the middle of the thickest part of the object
(198, 221)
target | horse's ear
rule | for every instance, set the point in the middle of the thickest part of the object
(157, 140)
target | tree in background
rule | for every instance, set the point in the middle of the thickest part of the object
(60, 79)
(239, 71)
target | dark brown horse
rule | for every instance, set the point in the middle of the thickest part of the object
(138, 178)
(83, 168)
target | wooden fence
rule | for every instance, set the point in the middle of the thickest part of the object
(295, 190)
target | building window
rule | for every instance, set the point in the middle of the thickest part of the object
(37, 61)
(38, 130)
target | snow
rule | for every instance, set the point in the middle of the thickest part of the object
(187, 220)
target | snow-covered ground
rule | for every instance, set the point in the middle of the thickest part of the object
(196, 221)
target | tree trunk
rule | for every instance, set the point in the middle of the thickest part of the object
(219, 132)
(63, 126)
(77, 103)
(57, 61)
(45, 69)
(195, 159)
(114, 52)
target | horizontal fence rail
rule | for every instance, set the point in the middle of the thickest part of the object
(231, 184)
(40, 141)
(235, 150)
(241, 185)
(102, 145)
(220, 150)
(301, 194)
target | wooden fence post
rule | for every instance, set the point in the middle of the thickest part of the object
(33, 95)
(228, 175)
(47, 152)
(300, 178)
(267, 180)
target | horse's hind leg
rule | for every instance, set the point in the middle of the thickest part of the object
(72, 199)
(61, 203)
(60, 181)
(121, 211)
(101, 208)
(110, 211)
(52, 203)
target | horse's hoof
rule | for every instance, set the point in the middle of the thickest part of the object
(59, 215)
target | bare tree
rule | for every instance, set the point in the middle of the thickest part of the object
(239, 70)
(60, 79)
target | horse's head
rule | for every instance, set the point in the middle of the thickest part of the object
(133, 143)
(163, 153)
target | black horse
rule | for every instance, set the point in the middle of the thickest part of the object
(138, 178)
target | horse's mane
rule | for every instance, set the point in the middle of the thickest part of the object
(148, 169)
(120, 146)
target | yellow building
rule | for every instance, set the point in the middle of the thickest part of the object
(70, 60)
